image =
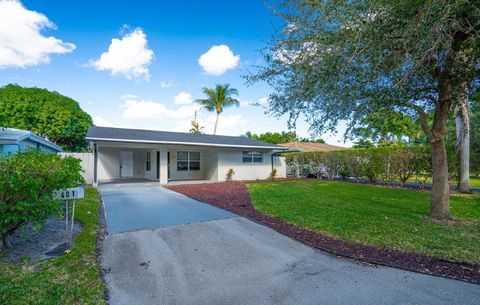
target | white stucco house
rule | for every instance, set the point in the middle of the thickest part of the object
(172, 157)
(13, 140)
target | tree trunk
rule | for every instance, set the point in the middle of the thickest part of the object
(440, 207)
(463, 145)
(216, 123)
(4, 243)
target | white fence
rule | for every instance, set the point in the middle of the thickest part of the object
(87, 164)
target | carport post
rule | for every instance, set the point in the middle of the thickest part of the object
(163, 167)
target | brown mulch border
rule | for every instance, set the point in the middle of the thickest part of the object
(234, 197)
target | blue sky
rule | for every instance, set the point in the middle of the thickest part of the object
(163, 54)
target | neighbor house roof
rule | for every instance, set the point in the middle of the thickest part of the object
(311, 146)
(167, 137)
(15, 136)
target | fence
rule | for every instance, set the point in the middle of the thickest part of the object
(87, 164)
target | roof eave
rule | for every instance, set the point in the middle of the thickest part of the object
(184, 143)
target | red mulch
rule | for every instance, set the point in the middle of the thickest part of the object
(234, 197)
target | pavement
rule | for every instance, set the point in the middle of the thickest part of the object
(140, 206)
(232, 260)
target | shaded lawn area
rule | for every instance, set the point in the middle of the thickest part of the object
(474, 182)
(373, 215)
(70, 279)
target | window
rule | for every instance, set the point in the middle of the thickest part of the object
(188, 161)
(149, 161)
(252, 157)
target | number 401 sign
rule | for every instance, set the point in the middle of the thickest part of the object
(69, 194)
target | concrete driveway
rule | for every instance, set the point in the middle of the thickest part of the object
(231, 260)
(147, 205)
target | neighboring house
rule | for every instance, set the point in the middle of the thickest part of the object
(13, 140)
(311, 146)
(173, 156)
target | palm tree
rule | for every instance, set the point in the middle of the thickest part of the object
(218, 99)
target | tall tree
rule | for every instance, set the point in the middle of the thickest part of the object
(387, 128)
(344, 60)
(217, 99)
(46, 113)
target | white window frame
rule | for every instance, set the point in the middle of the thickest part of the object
(189, 161)
(148, 161)
(252, 157)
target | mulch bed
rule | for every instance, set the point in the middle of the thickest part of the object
(234, 197)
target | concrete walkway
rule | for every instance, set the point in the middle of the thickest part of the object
(140, 206)
(232, 260)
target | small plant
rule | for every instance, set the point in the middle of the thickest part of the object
(230, 174)
(273, 174)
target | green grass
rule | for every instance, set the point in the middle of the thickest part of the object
(70, 279)
(373, 215)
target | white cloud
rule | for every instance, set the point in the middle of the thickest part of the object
(136, 108)
(225, 122)
(166, 84)
(100, 121)
(128, 56)
(183, 98)
(21, 41)
(218, 60)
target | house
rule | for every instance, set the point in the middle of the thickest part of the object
(13, 140)
(168, 157)
(311, 146)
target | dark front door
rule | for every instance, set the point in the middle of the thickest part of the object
(168, 164)
(158, 165)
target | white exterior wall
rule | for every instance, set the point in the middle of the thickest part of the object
(214, 163)
(248, 171)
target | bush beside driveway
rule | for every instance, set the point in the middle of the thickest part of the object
(70, 279)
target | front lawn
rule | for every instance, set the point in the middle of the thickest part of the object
(70, 279)
(373, 215)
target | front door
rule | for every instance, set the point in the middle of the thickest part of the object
(126, 164)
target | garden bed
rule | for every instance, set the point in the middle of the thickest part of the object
(234, 197)
(72, 278)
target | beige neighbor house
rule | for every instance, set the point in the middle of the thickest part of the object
(172, 157)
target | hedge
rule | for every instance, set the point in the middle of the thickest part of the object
(378, 163)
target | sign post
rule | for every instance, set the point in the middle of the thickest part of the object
(69, 194)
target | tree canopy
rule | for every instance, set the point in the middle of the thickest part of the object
(222, 96)
(280, 137)
(46, 113)
(346, 60)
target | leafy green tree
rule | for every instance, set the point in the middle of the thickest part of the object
(388, 128)
(46, 113)
(218, 99)
(27, 181)
(346, 60)
(280, 137)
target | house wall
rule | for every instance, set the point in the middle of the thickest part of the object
(109, 163)
(248, 171)
(27, 143)
(211, 165)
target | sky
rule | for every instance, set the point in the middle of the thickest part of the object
(140, 64)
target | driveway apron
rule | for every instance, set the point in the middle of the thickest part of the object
(140, 206)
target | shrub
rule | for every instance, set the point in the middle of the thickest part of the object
(387, 163)
(27, 182)
(230, 173)
(273, 174)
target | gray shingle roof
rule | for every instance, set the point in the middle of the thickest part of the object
(14, 136)
(167, 137)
